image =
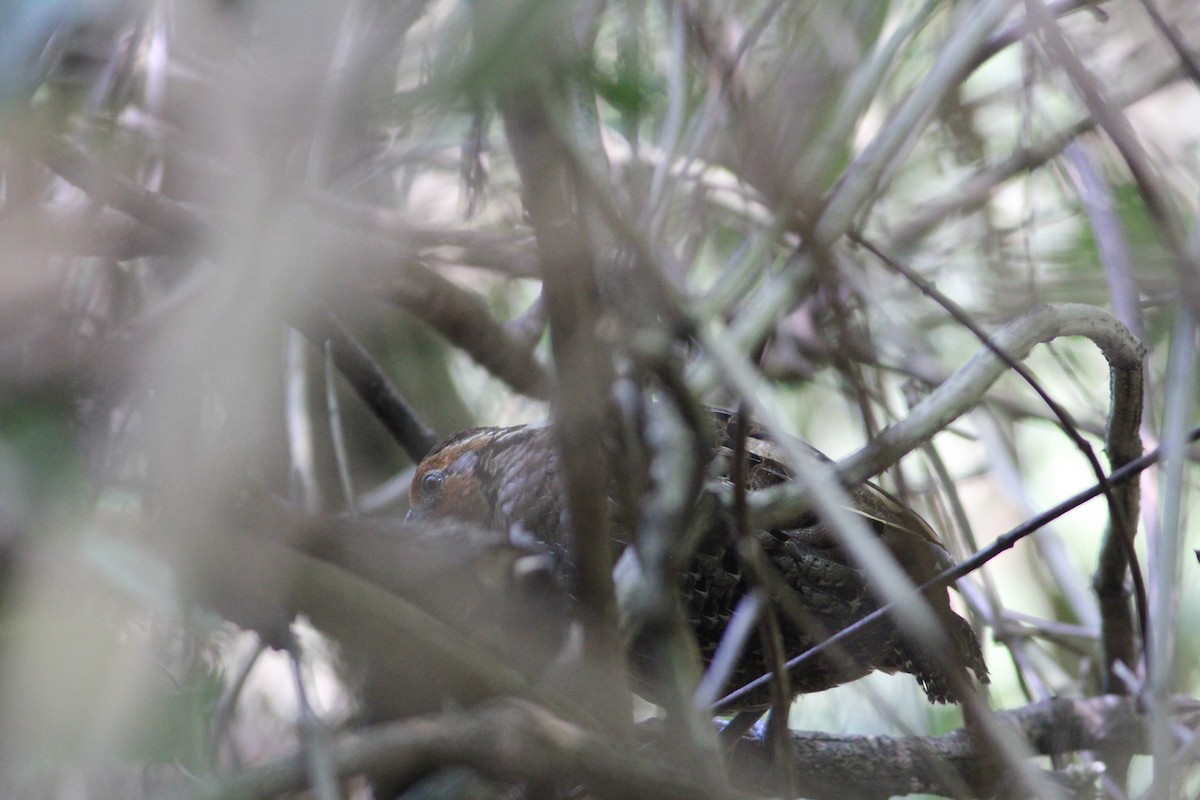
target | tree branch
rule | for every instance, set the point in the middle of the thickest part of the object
(971, 564)
(466, 322)
(87, 229)
(508, 741)
(974, 191)
(538, 106)
(369, 381)
(179, 220)
(457, 314)
(965, 389)
(883, 766)
(513, 740)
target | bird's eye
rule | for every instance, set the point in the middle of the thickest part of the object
(432, 483)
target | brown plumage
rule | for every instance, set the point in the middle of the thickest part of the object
(508, 479)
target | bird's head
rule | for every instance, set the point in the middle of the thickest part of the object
(449, 481)
(489, 476)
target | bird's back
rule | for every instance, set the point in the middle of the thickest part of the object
(817, 588)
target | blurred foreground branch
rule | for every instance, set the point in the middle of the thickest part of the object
(518, 741)
(509, 740)
(389, 267)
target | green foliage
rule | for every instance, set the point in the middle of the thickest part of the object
(43, 477)
(631, 93)
(176, 726)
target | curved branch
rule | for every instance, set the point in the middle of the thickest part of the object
(466, 322)
(509, 741)
(965, 389)
(460, 316)
(884, 766)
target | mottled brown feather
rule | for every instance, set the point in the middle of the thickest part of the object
(508, 479)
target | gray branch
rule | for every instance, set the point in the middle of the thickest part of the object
(884, 766)
(517, 741)
(965, 389)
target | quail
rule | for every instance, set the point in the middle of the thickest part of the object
(509, 479)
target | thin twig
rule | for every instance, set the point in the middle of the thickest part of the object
(368, 380)
(1186, 57)
(1005, 542)
(1123, 440)
(974, 191)
(1162, 210)
(964, 389)
(337, 434)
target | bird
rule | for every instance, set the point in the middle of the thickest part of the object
(510, 479)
